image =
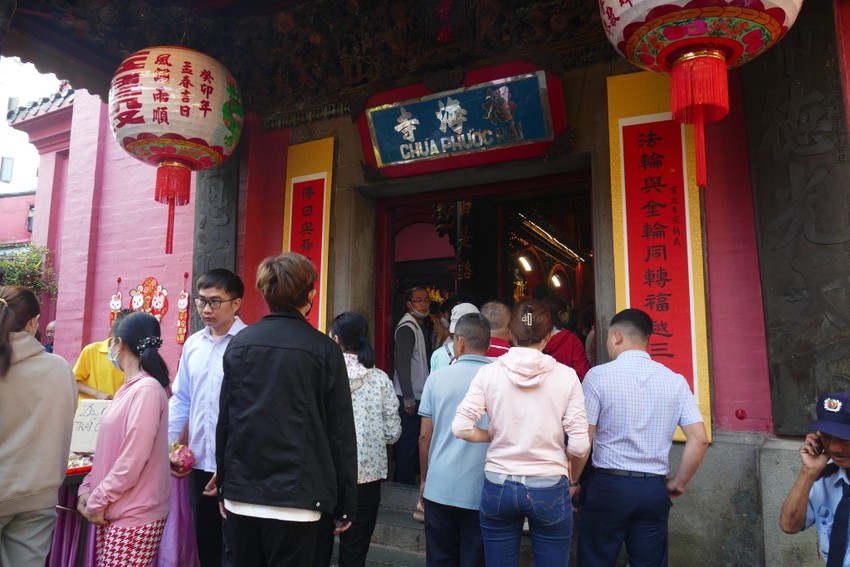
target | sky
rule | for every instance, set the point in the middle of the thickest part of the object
(24, 82)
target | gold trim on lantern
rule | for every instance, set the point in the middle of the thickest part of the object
(714, 53)
(173, 164)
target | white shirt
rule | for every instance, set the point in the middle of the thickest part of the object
(196, 391)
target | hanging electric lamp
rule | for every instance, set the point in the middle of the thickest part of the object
(695, 42)
(179, 110)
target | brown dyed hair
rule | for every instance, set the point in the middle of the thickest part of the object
(286, 281)
(541, 322)
(18, 307)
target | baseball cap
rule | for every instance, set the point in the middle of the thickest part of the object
(459, 311)
(833, 415)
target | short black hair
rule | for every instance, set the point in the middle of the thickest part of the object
(223, 278)
(408, 295)
(634, 322)
(475, 329)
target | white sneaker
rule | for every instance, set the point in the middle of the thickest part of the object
(419, 513)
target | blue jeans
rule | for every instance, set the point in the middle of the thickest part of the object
(550, 522)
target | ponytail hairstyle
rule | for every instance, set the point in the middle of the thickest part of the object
(140, 333)
(531, 322)
(352, 330)
(18, 305)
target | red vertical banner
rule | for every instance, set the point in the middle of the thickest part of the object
(658, 245)
(657, 252)
(307, 213)
(307, 230)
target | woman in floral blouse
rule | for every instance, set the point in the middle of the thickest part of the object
(377, 424)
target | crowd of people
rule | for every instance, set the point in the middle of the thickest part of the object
(288, 427)
(505, 436)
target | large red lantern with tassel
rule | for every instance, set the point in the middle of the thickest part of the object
(695, 41)
(179, 110)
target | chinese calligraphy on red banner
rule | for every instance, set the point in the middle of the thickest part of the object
(306, 228)
(658, 259)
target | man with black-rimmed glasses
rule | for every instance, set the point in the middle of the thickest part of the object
(196, 401)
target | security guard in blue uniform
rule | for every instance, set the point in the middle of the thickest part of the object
(821, 495)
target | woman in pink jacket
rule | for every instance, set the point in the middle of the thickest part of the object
(126, 495)
(532, 401)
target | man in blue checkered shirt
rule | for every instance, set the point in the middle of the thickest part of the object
(633, 407)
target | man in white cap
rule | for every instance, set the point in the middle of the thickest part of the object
(821, 494)
(444, 355)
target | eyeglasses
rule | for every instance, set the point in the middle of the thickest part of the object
(420, 300)
(202, 302)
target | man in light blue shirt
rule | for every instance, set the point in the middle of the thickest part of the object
(821, 494)
(452, 469)
(633, 407)
(196, 401)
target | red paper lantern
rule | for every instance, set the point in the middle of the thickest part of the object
(695, 41)
(179, 110)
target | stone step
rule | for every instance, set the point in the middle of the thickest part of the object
(398, 496)
(398, 529)
(383, 556)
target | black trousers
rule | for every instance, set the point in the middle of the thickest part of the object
(407, 446)
(259, 542)
(213, 548)
(452, 536)
(354, 542)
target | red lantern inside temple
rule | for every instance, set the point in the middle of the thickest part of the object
(179, 110)
(695, 42)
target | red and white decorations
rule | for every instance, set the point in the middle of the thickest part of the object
(115, 303)
(183, 312)
(695, 41)
(150, 297)
(176, 109)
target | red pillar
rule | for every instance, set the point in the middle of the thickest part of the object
(262, 221)
(738, 343)
(842, 35)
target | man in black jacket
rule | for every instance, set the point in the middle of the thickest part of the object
(286, 449)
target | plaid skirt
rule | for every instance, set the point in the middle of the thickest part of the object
(120, 546)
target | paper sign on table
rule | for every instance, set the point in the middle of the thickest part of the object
(87, 425)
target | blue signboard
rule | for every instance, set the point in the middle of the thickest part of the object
(497, 114)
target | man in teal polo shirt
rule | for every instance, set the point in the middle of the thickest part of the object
(453, 470)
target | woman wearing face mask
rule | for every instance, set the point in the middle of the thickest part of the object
(38, 395)
(126, 495)
(377, 424)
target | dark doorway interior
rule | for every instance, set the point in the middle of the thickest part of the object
(492, 242)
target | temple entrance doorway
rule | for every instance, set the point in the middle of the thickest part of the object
(501, 241)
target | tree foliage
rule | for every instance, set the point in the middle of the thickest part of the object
(29, 267)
